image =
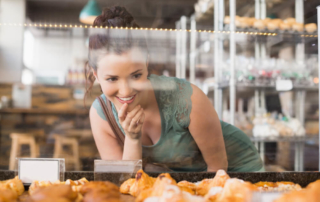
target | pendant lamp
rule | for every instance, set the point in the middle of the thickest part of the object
(89, 13)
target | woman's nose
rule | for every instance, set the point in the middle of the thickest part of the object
(125, 89)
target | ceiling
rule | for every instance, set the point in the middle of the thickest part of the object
(148, 13)
(151, 13)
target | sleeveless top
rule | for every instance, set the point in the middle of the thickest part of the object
(176, 148)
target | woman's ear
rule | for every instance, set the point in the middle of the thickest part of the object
(95, 75)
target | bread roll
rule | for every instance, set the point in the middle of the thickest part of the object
(297, 27)
(259, 24)
(226, 20)
(290, 21)
(311, 27)
(285, 26)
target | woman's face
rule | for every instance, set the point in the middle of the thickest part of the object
(123, 77)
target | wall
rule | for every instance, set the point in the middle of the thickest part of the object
(11, 40)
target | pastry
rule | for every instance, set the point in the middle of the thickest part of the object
(102, 196)
(297, 27)
(259, 24)
(14, 184)
(125, 187)
(187, 186)
(56, 191)
(277, 186)
(141, 182)
(99, 186)
(309, 194)
(290, 21)
(172, 193)
(234, 190)
(162, 182)
(311, 27)
(8, 195)
(284, 26)
(218, 181)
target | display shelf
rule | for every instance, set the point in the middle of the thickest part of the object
(279, 139)
(225, 84)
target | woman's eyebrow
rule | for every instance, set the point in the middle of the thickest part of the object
(136, 71)
(110, 75)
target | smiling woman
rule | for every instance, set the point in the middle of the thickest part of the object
(166, 120)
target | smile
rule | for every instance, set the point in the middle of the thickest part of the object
(127, 100)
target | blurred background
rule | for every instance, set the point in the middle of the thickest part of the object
(44, 48)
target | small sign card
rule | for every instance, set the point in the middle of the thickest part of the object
(117, 166)
(116, 171)
(41, 169)
(284, 85)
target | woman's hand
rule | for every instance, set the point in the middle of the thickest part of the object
(131, 122)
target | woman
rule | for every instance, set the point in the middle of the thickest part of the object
(166, 120)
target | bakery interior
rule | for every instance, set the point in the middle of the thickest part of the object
(256, 60)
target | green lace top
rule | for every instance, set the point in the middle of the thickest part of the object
(176, 147)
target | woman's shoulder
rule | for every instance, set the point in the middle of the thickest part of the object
(96, 105)
(169, 84)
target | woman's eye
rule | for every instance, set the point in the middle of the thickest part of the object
(111, 79)
(136, 76)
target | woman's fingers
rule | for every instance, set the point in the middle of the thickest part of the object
(122, 112)
(135, 120)
(126, 123)
(140, 124)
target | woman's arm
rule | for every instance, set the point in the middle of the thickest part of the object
(205, 128)
(106, 140)
(104, 137)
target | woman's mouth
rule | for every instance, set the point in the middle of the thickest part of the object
(127, 100)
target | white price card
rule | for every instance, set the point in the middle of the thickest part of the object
(284, 85)
(41, 169)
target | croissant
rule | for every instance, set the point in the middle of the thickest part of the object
(234, 190)
(140, 183)
(218, 181)
(7, 195)
(172, 193)
(14, 184)
(55, 191)
(309, 194)
(100, 186)
(187, 184)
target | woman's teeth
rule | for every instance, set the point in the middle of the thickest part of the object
(126, 99)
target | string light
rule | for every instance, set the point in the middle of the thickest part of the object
(147, 29)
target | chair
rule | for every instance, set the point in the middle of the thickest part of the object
(19, 139)
(60, 141)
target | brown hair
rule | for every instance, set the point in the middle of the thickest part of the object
(102, 43)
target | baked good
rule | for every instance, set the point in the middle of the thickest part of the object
(284, 26)
(218, 181)
(102, 196)
(14, 184)
(259, 24)
(76, 185)
(277, 186)
(55, 191)
(234, 190)
(99, 186)
(172, 193)
(162, 182)
(187, 186)
(141, 182)
(297, 27)
(311, 27)
(309, 194)
(8, 195)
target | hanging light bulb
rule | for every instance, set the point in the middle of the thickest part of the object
(89, 13)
